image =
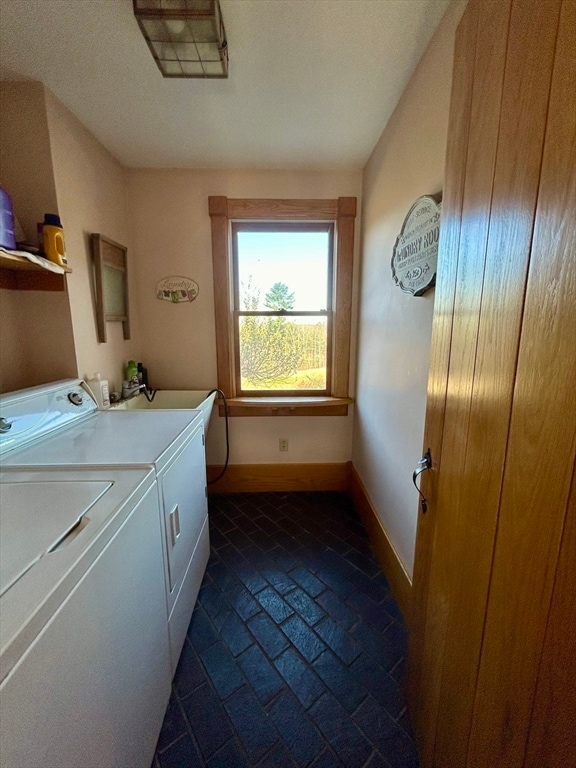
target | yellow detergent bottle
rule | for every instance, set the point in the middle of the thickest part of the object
(53, 236)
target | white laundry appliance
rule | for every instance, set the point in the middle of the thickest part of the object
(84, 652)
(58, 426)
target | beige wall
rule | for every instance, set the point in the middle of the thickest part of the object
(171, 231)
(36, 343)
(92, 197)
(26, 169)
(12, 352)
(394, 327)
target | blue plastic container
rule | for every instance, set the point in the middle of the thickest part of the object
(6, 221)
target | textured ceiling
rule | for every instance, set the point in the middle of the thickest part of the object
(312, 82)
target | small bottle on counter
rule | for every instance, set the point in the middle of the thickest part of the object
(100, 391)
(132, 373)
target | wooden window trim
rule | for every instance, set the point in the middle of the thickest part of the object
(341, 211)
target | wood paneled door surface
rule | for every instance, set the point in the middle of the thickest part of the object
(492, 672)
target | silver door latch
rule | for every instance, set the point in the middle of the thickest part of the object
(424, 464)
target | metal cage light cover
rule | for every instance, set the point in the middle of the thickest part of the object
(186, 37)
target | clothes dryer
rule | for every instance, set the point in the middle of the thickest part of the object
(84, 651)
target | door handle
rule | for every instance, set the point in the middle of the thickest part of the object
(424, 464)
(172, 531)
(174, 518)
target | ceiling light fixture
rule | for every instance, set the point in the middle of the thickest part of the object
(186, 37)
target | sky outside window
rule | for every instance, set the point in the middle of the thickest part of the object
(297, 259)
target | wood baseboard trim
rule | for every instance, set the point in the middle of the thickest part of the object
(254, 478)
(398, 578)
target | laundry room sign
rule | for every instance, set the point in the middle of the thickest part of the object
(415, 253)
(177, 289)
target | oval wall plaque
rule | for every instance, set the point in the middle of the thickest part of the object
(415, 252)
(177, 289)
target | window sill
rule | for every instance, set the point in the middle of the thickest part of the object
(286, 406)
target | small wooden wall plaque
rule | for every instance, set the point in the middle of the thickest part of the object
(177, 290)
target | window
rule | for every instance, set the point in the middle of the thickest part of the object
(282, 290)
(282, 307)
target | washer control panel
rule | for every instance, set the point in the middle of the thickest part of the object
(32, 413)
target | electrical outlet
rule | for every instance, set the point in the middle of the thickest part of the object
(283, 444)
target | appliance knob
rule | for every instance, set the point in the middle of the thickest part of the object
(75, 398)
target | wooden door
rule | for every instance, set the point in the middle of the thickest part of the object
(499, 420)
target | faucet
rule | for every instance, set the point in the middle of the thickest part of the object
(130, 391)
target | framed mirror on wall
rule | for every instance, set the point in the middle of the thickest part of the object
(111, 284)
